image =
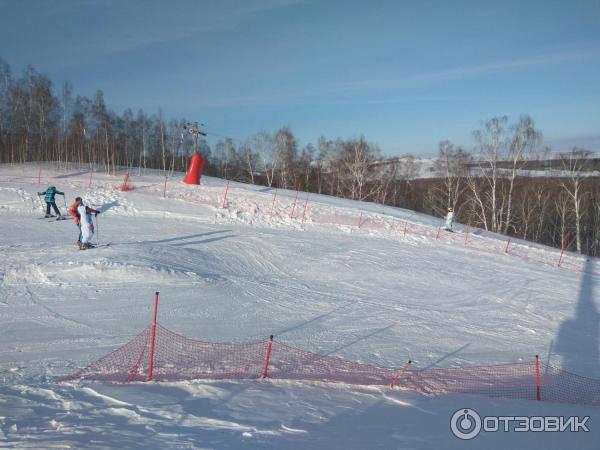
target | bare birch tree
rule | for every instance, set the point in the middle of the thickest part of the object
(574, 164)
(523, 143)
(250, 159)
(357, 158)
(451, 166)
(492, 142)
(286, 149)
(265, 148)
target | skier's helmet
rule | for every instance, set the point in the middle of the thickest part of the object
(52, 188)
(449, 209)
(78, 199)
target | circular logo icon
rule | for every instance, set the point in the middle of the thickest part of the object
(465, 423)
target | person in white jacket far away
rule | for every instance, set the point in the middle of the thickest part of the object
(449, 219)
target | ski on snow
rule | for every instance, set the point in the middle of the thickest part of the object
(96, 246)
(53, 218)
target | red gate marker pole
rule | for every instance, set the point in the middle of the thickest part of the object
(360, 220)
(273, 204)
(438, 232)
(507, 244)
(294, 207)
(165, 189)
(40, 176)
(152, 341)
(265, 373)
(467, 235)
(305, 205)
(90, 183)
(538, 383)
(405, 226)
(564, 246)
(225, 196)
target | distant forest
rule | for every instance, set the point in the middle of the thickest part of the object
(488, 187)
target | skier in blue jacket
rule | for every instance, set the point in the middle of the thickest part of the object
(49, 195)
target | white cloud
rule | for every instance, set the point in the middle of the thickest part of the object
(471, 71)
(71, 32)
(339, 93)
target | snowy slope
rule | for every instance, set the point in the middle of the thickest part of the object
(267, 264)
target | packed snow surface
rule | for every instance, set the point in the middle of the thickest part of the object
(238, 263)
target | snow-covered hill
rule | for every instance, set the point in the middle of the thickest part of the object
(237, 263)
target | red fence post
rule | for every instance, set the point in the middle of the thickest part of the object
(165, 189)
(564, 246)
(305, 205)
(134, 370)
(152, 340)
(125, 185)
(273, 204)
(225, 196)
(400, 372)
(294, 207)
(265, 373)
(507, 244)
(538, 384)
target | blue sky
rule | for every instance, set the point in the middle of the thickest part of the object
(405, 74)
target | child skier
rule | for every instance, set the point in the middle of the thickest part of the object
(449, 220)
(83, 219)
(49, 195)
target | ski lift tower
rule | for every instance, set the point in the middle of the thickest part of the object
(197, 162)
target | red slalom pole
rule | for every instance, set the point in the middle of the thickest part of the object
(564, 246)
(165, 189)
(405, 226)
(538, 383)
(294, 207)
(360, 220)
(265, 373)
(273, 204)
(438, 232)
(507, 244)
(90, 183)
(225, 196)
(40, 175)
(153, 339)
